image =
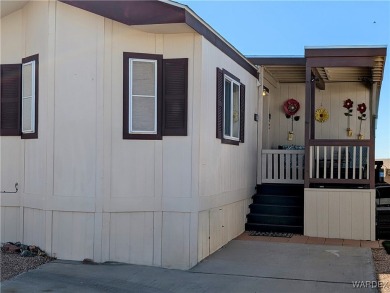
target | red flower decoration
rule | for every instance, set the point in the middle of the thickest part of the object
(348, 104)
(291, 107)
(362, 108)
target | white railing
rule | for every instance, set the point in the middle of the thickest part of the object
(339, 162)
(283, 166)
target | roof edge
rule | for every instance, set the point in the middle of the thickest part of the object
(174, 13)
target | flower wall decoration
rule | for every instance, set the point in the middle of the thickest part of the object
(348, 104)
(321, 115)
(362, 108)
(291, 107)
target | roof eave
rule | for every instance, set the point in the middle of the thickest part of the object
(133, 12)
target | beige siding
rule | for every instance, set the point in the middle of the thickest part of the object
(10, 224)
(34, 231)
(87, 193)
(218, 226)
(175, 254)
(131, 237)
(73, 235)
(227, 172)
(279, 125)
(340, 213)
(332, 98)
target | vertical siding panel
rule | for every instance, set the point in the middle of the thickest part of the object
(334, 215)
(345, 215)
(322, 214)
(357, 215)
(310, 214)
(203, 235)
(372, 210)
(366, 227)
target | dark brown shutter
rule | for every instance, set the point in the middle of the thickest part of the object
(175, 97)
(219, 113)
(10, 96)
(242, 112)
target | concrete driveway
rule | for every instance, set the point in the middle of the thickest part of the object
(240, 266)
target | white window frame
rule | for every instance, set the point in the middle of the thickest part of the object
(33, 110)
(131, 131)
(233, 81)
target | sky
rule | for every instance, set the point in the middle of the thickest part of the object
(269, 28)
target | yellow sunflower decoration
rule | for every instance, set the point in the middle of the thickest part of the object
(321, 115)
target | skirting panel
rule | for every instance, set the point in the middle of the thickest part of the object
(218, 226)
(340, 213)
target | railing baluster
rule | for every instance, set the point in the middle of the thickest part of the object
(339, 164)
(281, 165)
(368, 163)
(325, 161)
(277, 158)
(353, 162)
(269, 167)
(346, 162)
(317, 162)
(331, 161)
(288, 166)
(294, 166)
(264, 165)
(300, 167)
(360, 162)
(311, 162)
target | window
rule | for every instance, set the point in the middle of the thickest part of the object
(142, 96)
(19, 98)
(230, 108)
(29, 99)
(154, 96)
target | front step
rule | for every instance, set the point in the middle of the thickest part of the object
(280, 189)
(277, 208)
(274, 220)
(274, 228)
(288, 200)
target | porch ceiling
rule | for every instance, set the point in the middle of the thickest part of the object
(355, 64)
(292, 74)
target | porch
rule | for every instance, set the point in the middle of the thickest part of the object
(318, 131)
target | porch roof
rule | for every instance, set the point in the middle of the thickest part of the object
(361, 64)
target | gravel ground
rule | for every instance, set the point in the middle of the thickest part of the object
(13, 264)
(382, 267)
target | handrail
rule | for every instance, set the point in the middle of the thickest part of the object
(334, 142)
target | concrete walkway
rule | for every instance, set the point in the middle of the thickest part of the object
(240, 266)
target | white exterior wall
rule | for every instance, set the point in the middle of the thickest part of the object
(227, 172)
(340, 213)
(89, 192)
